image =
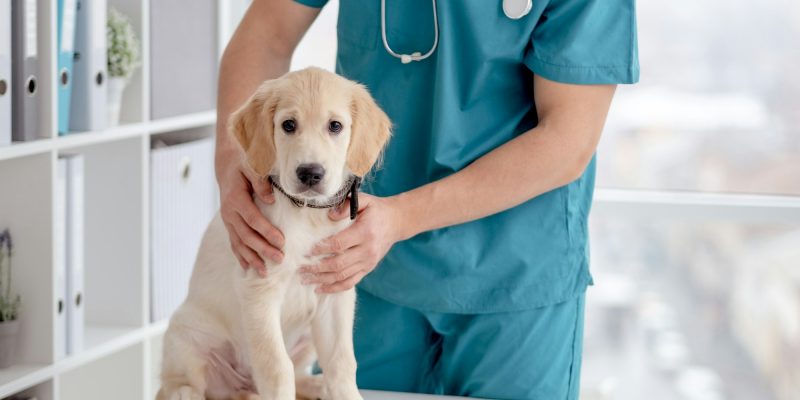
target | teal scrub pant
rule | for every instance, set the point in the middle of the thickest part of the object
(532, 354)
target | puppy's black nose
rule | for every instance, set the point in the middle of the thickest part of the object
(310, 174)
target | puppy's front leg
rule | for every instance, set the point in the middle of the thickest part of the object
(273, 370)
(332, 330)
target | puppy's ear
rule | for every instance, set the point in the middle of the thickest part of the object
(370, 131)
(252, 126)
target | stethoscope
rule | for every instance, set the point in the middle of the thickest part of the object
(513, 9)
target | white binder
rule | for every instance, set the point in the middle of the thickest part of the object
(60, 250)
(25, 71)
(75, 250)
(88, 110)
(5, 72)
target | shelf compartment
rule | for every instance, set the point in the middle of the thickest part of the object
(113, 232)
(133, 98)
(26, 210)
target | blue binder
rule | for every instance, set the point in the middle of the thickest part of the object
(66, 51)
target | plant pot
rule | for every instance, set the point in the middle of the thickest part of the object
(116, 87)
(9, 331)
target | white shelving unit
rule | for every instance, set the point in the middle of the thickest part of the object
(122, 347)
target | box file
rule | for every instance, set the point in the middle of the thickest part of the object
(66, 52)
(60, 250)
(89, 67)
(25, 71)
(75, 254)
(5, 72)
(183, 201)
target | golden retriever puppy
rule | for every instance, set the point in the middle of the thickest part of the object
(240, 336)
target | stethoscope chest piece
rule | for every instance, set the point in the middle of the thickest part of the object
(516, 9)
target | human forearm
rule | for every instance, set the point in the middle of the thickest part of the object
(531, 164)
(551, 155)
(244, 66)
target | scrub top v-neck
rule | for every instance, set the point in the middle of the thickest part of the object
(474, 93)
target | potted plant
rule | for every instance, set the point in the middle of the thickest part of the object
(123, 59)
(9, 304)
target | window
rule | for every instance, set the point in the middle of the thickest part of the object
(697, 294)
(718, 105)
(692, 310)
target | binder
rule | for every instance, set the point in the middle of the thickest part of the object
(66, 52)
(75, 251)
(60, 249)
(24, 71)
(89, 68)
(5, 72)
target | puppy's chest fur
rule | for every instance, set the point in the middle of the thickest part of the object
(302, 228)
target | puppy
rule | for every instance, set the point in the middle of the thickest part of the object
(240, 336)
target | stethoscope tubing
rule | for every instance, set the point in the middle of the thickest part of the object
(510, 8)
(416, 56)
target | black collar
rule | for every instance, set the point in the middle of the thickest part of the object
(350, 187)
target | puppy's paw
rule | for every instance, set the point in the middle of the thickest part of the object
(246, 396)
(344, 392)
(183, 393)
(311, 388)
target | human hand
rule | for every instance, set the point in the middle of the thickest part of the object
(253, 238)
(354, 252)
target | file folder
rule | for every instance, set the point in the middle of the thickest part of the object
(25, 71)
(60, 250)
(75, 253)
(88, 112)
(5, 72)
(66, 52)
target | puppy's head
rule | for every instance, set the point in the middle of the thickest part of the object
(311, 128)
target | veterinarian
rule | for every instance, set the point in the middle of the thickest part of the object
(471, 254)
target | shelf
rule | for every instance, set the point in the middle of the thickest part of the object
(23, 149)
(102, 341)
(19, 377)
(77, 139)
(183, 122)
(156, 328)
(80, 139)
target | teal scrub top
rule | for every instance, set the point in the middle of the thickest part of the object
(472, 95)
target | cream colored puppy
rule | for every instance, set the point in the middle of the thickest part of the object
(241, 336)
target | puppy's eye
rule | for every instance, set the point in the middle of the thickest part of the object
(335, 126)
(289, 126)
